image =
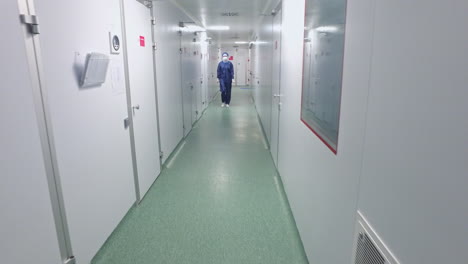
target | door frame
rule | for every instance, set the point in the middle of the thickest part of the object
(129, 101)
(36, 69)
(129, 96)
(275, 12)
(153, 39)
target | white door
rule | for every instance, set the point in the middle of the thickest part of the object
(142, 91)
(196, 95)
(28, 230)
(276, 104)
(92, 144)
(241, 71)
(204, 81)
(187, 82)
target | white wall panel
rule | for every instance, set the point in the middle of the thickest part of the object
(27, 229)
(168, 68)
(322, 188)
(414, 182)
(92, 145)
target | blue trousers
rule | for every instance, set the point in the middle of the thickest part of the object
(226, 94)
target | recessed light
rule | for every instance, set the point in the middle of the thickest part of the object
(218, 28)
(327, 29)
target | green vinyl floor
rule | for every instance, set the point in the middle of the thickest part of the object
(219, 200)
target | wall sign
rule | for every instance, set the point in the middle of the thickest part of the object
(142, 41)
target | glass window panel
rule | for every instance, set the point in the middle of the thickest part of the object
(324, 32)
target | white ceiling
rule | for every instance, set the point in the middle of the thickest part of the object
(209, 13)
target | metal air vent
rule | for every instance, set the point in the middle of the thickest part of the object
(367, 252)
(369, 248)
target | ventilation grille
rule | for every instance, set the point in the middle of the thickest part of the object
(367, 252)
(369, 248)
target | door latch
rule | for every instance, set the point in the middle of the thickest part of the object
(32, 22)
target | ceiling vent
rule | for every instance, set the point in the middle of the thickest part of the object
(368, 247)
(230, 14)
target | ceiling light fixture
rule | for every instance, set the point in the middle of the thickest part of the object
(191, 27)
(218, 28)
(194, 28)
(258, 42)
(327, 29)
(241, 42)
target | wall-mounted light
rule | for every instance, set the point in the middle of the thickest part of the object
(218, 28)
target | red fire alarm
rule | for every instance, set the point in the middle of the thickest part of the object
(142, 41)
(231, 58)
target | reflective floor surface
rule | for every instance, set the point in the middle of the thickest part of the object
(219, 200)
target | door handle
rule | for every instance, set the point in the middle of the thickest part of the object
(277, 95)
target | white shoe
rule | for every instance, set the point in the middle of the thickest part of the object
(222, 105)
(227, 106)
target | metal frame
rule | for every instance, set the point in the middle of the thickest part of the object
(153, 37)
(129, 102)
(327, 141)
(129, 96)
(275, 13)
(33, 50)
(182, 85)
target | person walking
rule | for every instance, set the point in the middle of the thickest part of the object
(225, 76)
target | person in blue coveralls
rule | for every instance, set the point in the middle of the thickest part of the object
(225, 76)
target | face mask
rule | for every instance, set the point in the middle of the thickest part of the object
(225, 59)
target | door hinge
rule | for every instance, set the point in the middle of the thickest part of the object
(153, 21)
(70, 260)
(32, 22)
(155, 46)
(161, 154)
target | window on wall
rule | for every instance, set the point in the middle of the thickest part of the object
(324, 32)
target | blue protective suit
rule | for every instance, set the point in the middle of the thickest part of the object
(225, 76)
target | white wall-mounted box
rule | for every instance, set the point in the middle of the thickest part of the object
(95, 71)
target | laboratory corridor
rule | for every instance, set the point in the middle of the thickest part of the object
(219, 200)
(233, 132)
